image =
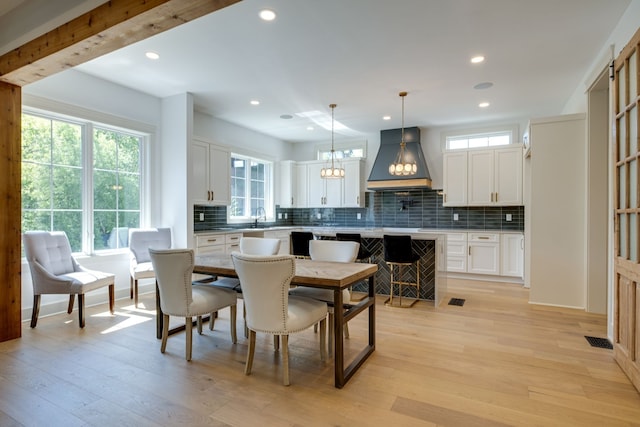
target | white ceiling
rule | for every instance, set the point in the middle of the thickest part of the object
(360, 53)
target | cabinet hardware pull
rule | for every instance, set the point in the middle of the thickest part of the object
(358, 200)
(212, 240)
(469, 250)
(496, 197)
(483, 237)
(233, 238)
(292, 201)
(445, 197)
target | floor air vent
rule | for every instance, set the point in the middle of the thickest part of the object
(456, 301)
(599, 342)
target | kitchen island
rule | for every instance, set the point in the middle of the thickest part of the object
(428, 243)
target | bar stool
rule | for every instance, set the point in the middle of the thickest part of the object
(300, 243)
(363, 256)
(399, 253)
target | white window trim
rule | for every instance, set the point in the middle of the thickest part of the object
(88, 119)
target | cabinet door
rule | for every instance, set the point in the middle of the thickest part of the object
(315, 184)
(455, 179)
(484, 253)
(200, 192)
(508, 176)
(301, 194)
(512, 254)
(481, 178)
(457, 252)
(333, 192)
(220, 175)
(353, 184)
(286, 184)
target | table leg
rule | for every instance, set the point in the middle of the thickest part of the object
(338, 330)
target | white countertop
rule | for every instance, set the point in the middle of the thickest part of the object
(424, 233)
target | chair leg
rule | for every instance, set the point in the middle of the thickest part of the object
(135, 293)
(331, 329)
(131, 279)
(323, 339)
(35, 311)
(112, 298)
(199, 324)
(72, 299)
(212, 320)
(81, 309)
(165, 332)
(188, 326)
(244, 318)
(276, 343)
(251, 349)
(234, 311)
(285, 359)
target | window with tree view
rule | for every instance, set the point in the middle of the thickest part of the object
(78, 178)
(250, 189)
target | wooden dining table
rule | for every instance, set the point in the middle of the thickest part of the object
(327, 275)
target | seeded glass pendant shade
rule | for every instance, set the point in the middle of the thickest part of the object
(405, 163)
(333, 168)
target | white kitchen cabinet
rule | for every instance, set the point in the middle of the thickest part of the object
(283, 236)
(512, 254)
(211, 173)
(455, 179)
(301, 193)
(483, 253)
(210, 244)
(287, 184)
(353, 184)
(323, 193)
(457, 252)
(495, 177)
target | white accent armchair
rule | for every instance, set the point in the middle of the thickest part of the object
(178, 297)
(269, 308)
(55, 271)
(140, 240)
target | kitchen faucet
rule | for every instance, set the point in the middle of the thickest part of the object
(261, 214)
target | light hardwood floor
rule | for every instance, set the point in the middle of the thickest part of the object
(495, 361)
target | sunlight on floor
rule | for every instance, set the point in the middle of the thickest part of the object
(132, 318)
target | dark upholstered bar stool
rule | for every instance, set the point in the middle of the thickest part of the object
(363, 254)
(300, 243)
(398, 253)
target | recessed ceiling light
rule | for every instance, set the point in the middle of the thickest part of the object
(477, 59)
(386, 117)
(483, 105)
(309, 127)
(267, 15)
(286, 116)
(152, 55)
(255, 102)
(483, 85)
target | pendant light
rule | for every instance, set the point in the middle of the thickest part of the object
(405, 163)
(333, 168)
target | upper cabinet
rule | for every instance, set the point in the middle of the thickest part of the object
(302, 186)
(487, 177)
(455, 179)
(211, 173)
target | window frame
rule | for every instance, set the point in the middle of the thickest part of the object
(341, 146)
(469, 133)
(89, 119)
(268, 190)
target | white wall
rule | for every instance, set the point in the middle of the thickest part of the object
(239, 138)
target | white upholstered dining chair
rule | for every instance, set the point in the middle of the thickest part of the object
(270, 308)
(140, 267)
(178, 297)
(55, 271)
(335, 251)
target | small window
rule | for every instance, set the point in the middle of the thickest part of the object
(343, 150)
(462, 142)
(485, 137)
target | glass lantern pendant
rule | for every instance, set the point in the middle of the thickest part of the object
(405, 163)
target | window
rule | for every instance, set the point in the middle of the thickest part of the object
(479, 138)
(343, 150)
(251, 189)
(79, 178)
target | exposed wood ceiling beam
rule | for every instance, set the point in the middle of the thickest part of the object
(109, 27)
